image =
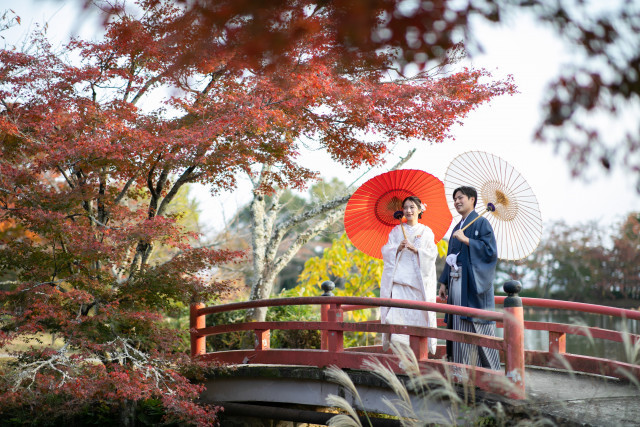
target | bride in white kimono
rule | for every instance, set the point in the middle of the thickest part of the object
(409, 273)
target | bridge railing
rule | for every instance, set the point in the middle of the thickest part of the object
(556, 355)
(333, 327)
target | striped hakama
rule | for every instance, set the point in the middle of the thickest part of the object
(469, 354)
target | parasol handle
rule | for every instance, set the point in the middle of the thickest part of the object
(398, 215)
(405, 234)
(490, 208)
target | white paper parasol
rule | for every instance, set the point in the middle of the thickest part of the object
(504, 196)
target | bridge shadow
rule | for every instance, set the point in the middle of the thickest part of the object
(252, 394)
(299, 394)
(286, 389)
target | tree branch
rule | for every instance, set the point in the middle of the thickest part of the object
(124, 190)
(58, 362)
(146, 87)
(184, 178)
(282, 229)
(66, 177)
(303, 238)
(273, 210)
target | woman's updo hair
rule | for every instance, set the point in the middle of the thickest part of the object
(416, 201)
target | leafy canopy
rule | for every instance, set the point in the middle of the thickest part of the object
(97, 139)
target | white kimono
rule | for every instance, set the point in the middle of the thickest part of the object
(409, 276)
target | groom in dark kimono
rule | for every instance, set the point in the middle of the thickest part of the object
(468, 280)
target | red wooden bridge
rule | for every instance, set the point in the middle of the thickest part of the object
(518, 361)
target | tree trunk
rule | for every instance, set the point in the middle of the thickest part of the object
(263, 286)
(128, 413)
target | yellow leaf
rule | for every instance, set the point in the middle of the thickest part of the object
(443, 247)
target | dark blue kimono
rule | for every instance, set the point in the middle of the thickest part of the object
(478, 261)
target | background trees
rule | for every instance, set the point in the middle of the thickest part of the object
(98, 138)
(624, 276)
(584, 262)
(88, 178)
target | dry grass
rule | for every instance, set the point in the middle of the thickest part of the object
(35, 341)
(464, 408)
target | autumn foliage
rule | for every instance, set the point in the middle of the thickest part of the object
(97, 138)
(597, 88)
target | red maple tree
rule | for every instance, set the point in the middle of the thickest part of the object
(97, 139)
(597, 89)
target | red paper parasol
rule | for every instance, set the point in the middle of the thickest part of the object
(368, 218)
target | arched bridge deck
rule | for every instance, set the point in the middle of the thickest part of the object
(567, 378)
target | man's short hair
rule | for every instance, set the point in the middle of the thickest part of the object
(469, 192)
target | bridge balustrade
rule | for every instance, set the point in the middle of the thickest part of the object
(332, 326)
(511, 347)
(557, 357)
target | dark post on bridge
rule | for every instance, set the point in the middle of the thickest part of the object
(514, 336)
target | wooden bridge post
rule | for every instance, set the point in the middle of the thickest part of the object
(557, 342)
(198, 342)
(514, 338)
(327, 286)
(262, 339)
(335, 340)
(420, 347)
